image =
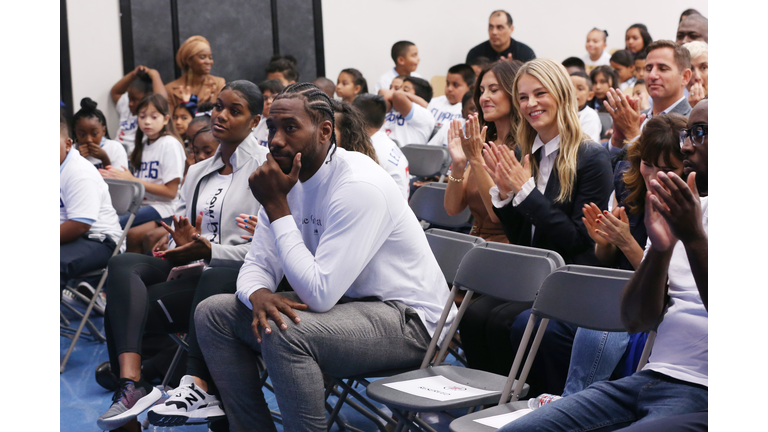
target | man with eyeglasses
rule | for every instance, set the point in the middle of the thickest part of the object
(668, 292)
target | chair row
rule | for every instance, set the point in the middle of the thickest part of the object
(584, 296)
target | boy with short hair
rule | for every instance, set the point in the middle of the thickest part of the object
(374, 111)
(467, 107)
(588, 117)
(458, 82)
(283, 70)
(405, 54)
(640, 91)
(408, 121)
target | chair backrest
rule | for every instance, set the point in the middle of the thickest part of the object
(426, 160)
(126, 195)
(606, 121)
(427, 203)
(504, 274)
(449, 249)
(584, 296)
(554, 256)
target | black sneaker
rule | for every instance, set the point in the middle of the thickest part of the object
(130, 399)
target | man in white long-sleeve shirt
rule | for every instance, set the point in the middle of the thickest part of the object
(367, 290)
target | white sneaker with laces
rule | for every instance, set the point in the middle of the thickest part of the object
(188, 404)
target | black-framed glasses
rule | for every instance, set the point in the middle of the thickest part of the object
(696, 134)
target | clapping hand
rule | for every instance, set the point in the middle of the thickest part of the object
(626, 115)
(503, 167)
(696, 94)
(673, 211)
(473, 146)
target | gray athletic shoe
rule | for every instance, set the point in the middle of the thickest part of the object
(127, 403)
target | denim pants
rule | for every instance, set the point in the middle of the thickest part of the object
(144, 215)
(611, 405)
(81, 256)
(354, 337)
(594, 357)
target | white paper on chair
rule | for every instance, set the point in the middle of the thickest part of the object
(498, 421)
(438, 388)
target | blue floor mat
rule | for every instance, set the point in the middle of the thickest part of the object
(82, 400)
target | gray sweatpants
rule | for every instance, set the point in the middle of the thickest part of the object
(354, 337)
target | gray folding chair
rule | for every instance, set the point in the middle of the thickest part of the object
(500, 272)
(427, 203)
(449, 248)
(126, 199)
(606, 121)
(588, 297)
(426, 160)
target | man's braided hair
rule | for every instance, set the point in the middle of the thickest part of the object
(317, 104)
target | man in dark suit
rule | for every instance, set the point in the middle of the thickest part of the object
(500, 44)
(667, 72)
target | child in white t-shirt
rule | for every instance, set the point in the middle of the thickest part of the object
(467, 107)
(408, 121)
(158, 163)
(88, 225)
(597, 54)
(126, 95)
(90, 128)
(588, 118)
(373, 110)
(458, 82)
(269, 89)
(405, 54)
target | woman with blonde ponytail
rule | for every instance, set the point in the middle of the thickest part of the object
(539, 201)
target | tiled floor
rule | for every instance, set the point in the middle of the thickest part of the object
(82, 400)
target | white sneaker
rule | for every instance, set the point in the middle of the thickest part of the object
(188, 404)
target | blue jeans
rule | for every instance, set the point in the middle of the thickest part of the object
(611, 405)
(594, 357)
(144, 215)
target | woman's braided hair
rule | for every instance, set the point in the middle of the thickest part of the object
(317, 104)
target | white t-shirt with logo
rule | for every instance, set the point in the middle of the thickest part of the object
(84, 197)
(443, 111)
(386, 79)
(212, 192)
(161, 162)
(392, 159)
(129, 123)
(261, 133)
(415, 128)
(681, 349)
(115, 151)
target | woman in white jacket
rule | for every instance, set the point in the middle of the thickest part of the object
(214, 193)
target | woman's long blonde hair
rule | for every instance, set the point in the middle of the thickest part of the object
(555, 79)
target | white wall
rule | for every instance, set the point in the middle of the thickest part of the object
(96, 54)
(360, 33)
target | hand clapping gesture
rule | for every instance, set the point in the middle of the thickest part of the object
(625, 113)
(503, 167)
(472, 146)
(673, 211)
(608, 227)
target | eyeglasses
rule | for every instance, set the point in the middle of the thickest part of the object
(696, 134)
